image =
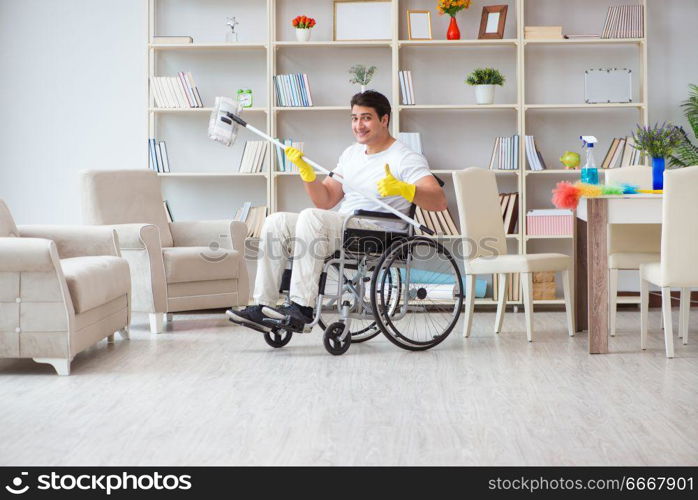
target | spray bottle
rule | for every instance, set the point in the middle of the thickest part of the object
(590, 173)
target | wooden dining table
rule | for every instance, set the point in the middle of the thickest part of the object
(591, 272)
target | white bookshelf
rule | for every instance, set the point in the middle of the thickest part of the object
(540, 97)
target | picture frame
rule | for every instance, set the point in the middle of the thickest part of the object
(357, 20)
(419, 25)
(492, 22)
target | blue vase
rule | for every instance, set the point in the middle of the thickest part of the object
(658, 172)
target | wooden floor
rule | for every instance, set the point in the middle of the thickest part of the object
(207, 392)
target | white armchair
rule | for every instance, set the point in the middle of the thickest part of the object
(178, 266)
(62, 289)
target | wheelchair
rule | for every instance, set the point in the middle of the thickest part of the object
(405, 286)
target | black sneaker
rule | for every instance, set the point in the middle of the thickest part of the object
(297, 313)
(250, 316)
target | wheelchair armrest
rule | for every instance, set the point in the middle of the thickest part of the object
(377, 215)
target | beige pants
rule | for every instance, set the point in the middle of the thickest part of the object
(310, 236)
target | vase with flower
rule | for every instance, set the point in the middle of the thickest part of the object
(658, 142)
(303, 25)
(452, 7)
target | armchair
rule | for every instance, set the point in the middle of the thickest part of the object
(62, 289)
(175, 266)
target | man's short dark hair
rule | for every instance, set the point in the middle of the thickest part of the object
(375, 100)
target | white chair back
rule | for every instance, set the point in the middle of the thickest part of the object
(479, 212)
(679, 259)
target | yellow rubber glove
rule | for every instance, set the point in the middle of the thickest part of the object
(390, 186)
(295, 156)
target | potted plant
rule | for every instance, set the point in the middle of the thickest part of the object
(657, 142)
(686, 153)
(362, 75)
(452, 7)
(303, 24)
(484, 80)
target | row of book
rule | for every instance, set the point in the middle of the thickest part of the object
(509, 204)
(256, 157)
(159, 160)
(440, 222)
(253, 217)
(176, 91)
(505, 153)
(406, 88)
(621, 153)
(412, 140)
(293, 90)
(283, 163)
(624, 21)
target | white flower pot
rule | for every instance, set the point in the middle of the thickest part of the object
(363, 89)
(302, 34)
(484, 94)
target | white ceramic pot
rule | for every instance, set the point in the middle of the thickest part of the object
(302, 34)
(363, 89)
(484, 94)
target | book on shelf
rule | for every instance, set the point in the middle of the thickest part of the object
(509, 204)
(172, 39)
(624, 21)
(175, 91)
(505, 153)
(440, 222)
(256, 157)
(253, 217)
(412, 140)
(168, 212)
(581, 36)
(513, 287)
(159, 160)
(543, 32)
(283, 164)
(533, 156)
(293, 90)
(621, 153)
(406, 88)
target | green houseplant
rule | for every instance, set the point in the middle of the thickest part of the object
(686, 153)
(362, 75)
(657, 142)
(484, 80)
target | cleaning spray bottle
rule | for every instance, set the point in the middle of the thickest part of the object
(590, 173)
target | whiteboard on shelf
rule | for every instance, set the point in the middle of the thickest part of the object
(607, 85)
(362, 20)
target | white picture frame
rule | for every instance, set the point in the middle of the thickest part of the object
(362, 20)
(419, 25)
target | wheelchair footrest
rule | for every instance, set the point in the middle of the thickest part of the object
(287, 323)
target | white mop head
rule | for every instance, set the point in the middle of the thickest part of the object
(218, 130)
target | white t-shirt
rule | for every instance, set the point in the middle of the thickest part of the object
(364, 171)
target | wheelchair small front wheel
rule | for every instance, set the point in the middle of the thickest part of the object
(333, 339)
(278, 338)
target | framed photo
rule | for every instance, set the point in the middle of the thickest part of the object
(492, 23)
(419, 24)
(362, 20)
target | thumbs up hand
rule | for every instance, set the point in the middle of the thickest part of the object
(390, 186)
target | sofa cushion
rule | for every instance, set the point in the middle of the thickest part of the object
(95, 280)
(184, 264)
(7, 223)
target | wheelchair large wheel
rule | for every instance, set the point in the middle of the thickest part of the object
(278, 338)
(361, 329)
(416, 293)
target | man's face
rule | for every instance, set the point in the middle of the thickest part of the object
(366, 126)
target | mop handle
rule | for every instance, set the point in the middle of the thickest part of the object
(340, 179)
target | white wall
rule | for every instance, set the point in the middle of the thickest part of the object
(73, 91)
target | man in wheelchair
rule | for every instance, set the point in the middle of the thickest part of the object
(376, 164)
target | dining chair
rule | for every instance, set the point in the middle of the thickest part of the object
(629, 245)
(676, 267)
(483, 231)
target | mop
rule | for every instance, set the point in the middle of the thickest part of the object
(223, 127)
